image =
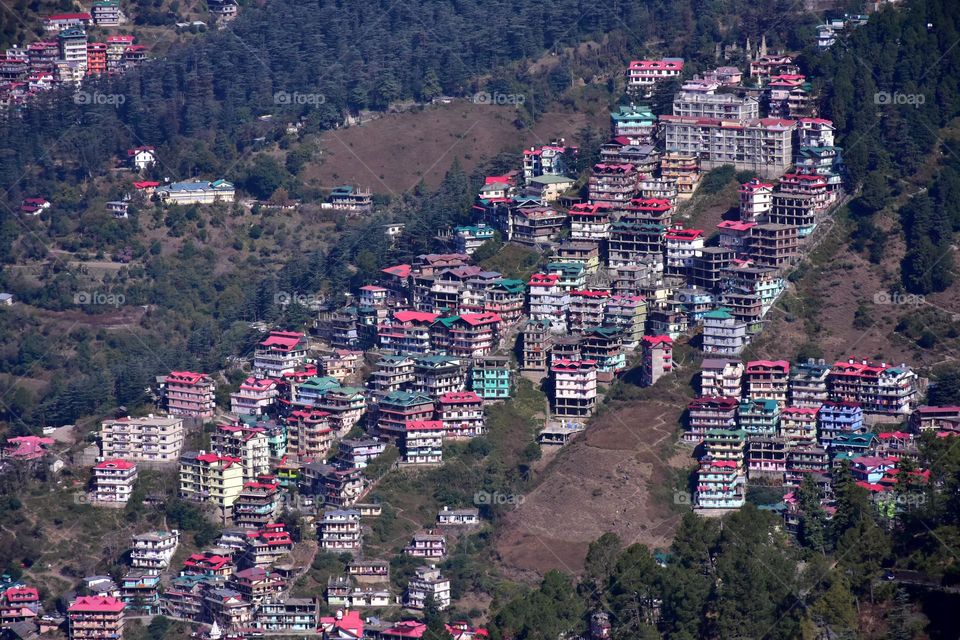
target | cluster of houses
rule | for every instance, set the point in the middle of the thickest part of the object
(66, 55)
(777, 422)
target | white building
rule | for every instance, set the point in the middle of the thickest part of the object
(197, 192)
(458, 517)
(426, 583)
(146, 439)
(154, 550)
(113, 480)
(723, 334)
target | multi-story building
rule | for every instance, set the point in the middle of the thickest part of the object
(706, 271)
(339, 531)
(879, 388)
(808, 384)
(469, 238)
(682, 169)
(768, 379)
(211, 478)
(762, 145)
(547, 160)
(796, 209)
(427, 583)
(774, 245)
(461, 414)
(589, 222)
(113, 480)
(798, 425)
(107, 13)
(346, 406)
(720, 485)
(280, 353)
(723, 333)
(634, 122)
(254, 397)
(759, 416)
(309, 434)
(836, 419)
(154, 550)
(392, 373)
(73, 47)
(506, 299)
(613, 184)
(766, 456)
(536, 339)
(534, 225)
(248, 444)
(423, 442)
(657, 358)
(491, 377)
(586, 309)
(190, 191)
(258, 503)
(718, 106)
(189, 394)
(140, 591)
(574, 388)
(935, 418)
(96, 58)
(682, 246)
(427, 544)
(633, 242)
(95, 618)
(735, 236)
(407, 332)
(288, 614)
(146, 439)
(438, 374)
(468, 335)
(756, 201)
(709, 412)
(604, 345)
(396, 409)
(726, 444)
(548, 300)
(766, 65)
(628, 313)
(721, 377)
(642, 75)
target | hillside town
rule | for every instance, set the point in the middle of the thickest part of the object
(414, 360)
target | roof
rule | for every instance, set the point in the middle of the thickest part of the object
(96, 604)
(550, 179)
(283, 340)
(415, 316)
(115, 464)
(424, 425)
(655, 340)
(459, 397)
(667, 64)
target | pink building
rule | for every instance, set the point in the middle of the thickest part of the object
(189, 394)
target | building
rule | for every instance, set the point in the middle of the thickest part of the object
(427, 544)
(107, 13)
(878, 387)
(634, 122)
(468, 335)
(586, 309)
(574, 388)
(309, 434)
(536, 339)
(763, 145)
(458, 517)
(798, 425)
(288, 614)
(248, 444)
(113, 481)
(836, 419)
(589, 222)
(682, 247)
(534, 226)
(96, 58)
(140, 591)
(461, 414)
(710, 412)
(258, 503)
(339, 531)
(196, 192)
(146, 439)
(211, 478)
(612, 184)
(468, 239)
(351, 200)
(721, 377)
(629, 314)
(423, 442)
(427, 583)
(657, 358)
(548, 160)
(683, 170)
(154, 550)
(407, 332)
(717, 106)
(60, 21)
(720, 485)
(397, 408)
(189, 394)
(774, 245)
(796, 210)
(768, 379)
(808, 384)
(282, 352)
(759, 416)
(642, 75)
(357, 454)
(723, 333)
(95, 618)
(254, 397)
(548, 188)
